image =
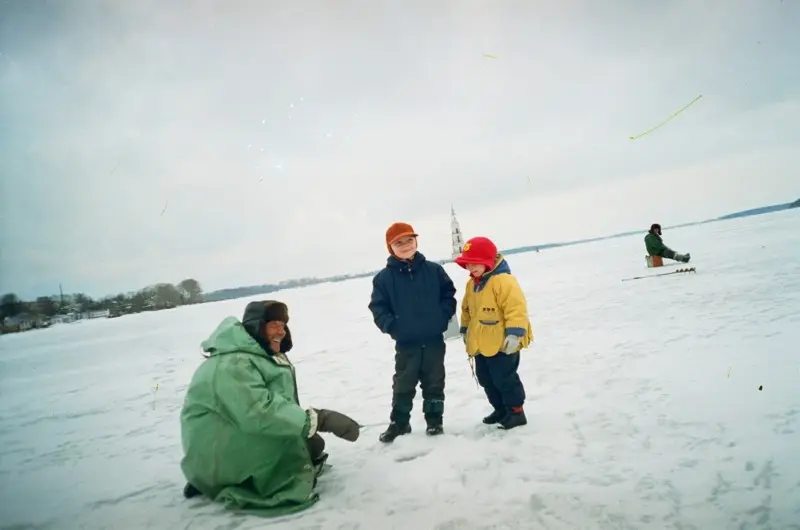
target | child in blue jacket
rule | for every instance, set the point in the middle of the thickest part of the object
(413, 300)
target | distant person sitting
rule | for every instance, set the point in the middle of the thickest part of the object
(247, 441)
(656, 247)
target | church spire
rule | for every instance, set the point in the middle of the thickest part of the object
(455, 234)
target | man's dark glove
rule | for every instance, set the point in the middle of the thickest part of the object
(337, 423)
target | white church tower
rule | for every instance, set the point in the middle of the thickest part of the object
(457, 247)
(455, 234)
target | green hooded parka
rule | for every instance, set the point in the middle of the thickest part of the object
(243, 430)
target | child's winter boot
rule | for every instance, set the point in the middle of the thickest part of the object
(495, 417)
(434, 426)
(393, 431)
(514, 418)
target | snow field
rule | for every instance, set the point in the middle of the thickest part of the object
(644, 406)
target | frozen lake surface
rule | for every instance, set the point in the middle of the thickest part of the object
(644, 405)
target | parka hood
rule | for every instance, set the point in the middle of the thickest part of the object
(231, 336)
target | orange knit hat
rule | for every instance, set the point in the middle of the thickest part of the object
(398, 231)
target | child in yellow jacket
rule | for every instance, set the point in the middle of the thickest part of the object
(495, 327)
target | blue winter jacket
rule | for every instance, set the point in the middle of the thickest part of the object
(414, 301)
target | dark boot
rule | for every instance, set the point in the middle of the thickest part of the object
(319, 467)
(316, 447)
(190, 491)
(495, 417)
(514, 418)
(435, 427)
(393, 431)
(320, 460)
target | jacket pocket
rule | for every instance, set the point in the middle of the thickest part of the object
(445, 321)
(394, 327)
(490, 336)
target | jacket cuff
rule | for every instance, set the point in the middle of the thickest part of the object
(313, 420)
(519, 332)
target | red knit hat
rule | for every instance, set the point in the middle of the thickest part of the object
(398, 231)
(479, 251)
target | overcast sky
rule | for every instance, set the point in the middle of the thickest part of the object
(280, 139)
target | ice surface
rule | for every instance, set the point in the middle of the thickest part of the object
(634, 420)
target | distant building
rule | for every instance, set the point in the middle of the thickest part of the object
(102, 313)
(457, 240)
(455, 233)
(23, 322)
(76, 316)
(62, 319)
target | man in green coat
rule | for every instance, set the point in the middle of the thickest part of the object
(656, 247)
(247, 442)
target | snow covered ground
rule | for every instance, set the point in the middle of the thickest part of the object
(644, 403)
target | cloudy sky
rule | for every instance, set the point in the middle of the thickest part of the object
(247, 142)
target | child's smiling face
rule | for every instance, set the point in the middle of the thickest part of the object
(476, 269)
(405, 248)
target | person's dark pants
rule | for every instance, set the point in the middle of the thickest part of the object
(422, 364)
(499, 378)
(668, 253)
(316, 446)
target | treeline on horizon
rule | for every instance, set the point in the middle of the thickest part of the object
(39, 312)
(252, 290)
(189, 291)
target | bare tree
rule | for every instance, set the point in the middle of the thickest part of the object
(10, 305)
(191, 291)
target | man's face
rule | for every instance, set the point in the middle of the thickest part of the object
(405, 247)
(275, 330)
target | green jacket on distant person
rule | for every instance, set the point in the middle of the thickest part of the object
(655, 246)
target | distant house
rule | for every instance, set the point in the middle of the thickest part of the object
(23, 322)
(76, 316)
(103, 313)
(64, 319)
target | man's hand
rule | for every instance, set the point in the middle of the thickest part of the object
(338, 424)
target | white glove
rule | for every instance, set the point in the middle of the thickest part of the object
(511, 344)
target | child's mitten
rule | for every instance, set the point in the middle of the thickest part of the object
(511, 344)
